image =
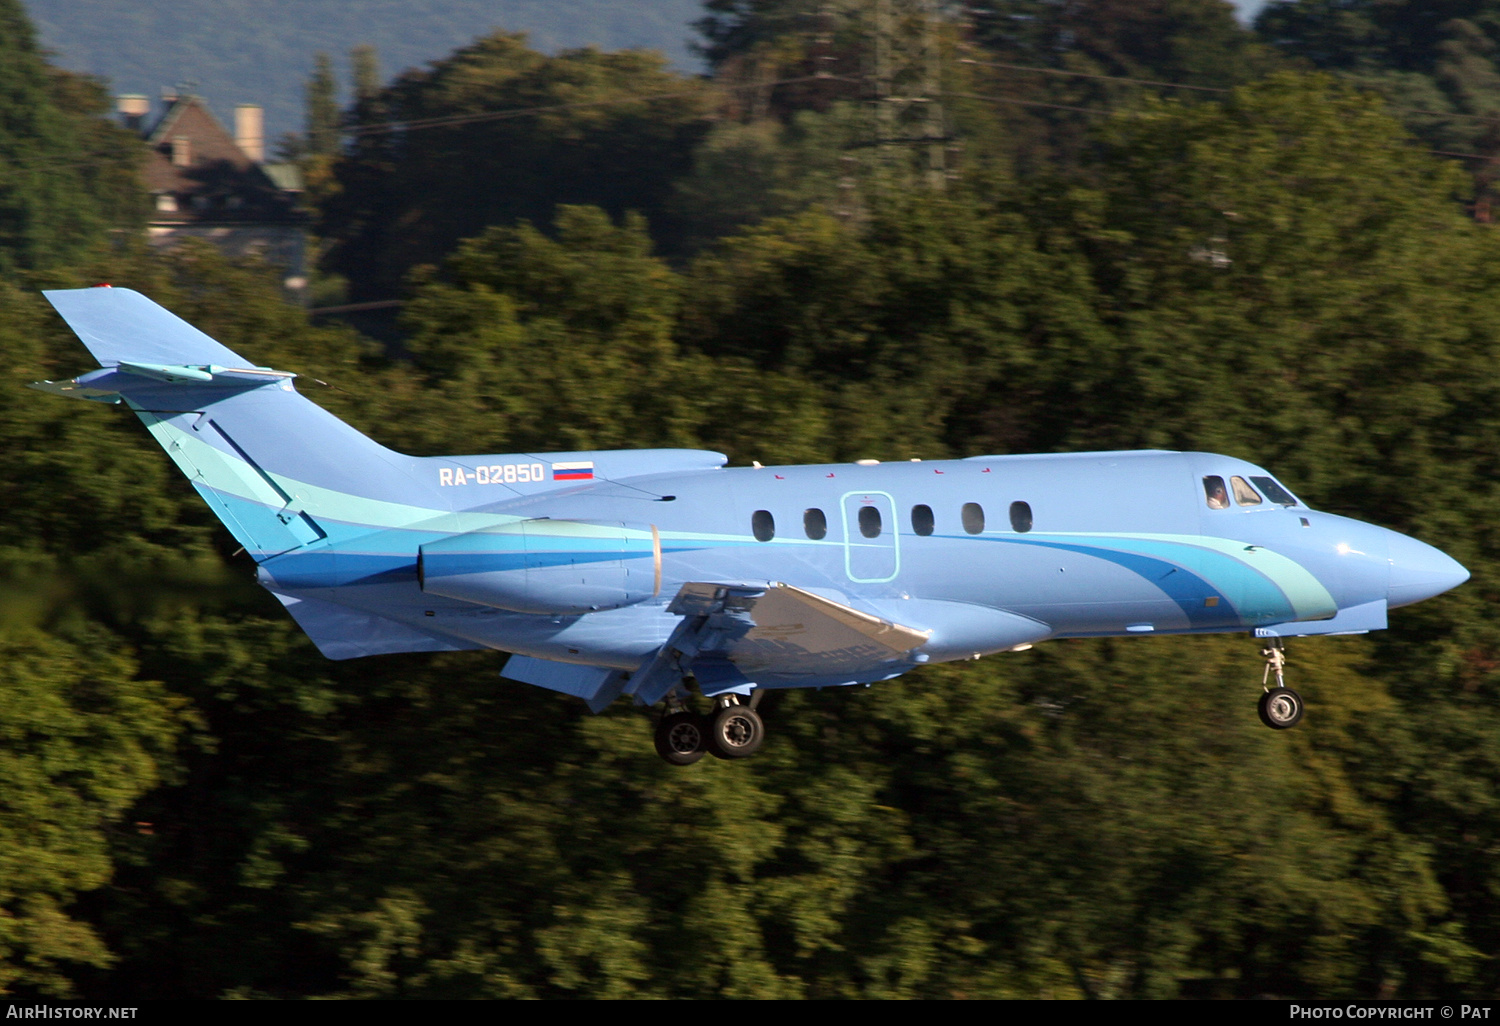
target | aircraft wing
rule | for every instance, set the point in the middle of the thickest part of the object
(732, 635)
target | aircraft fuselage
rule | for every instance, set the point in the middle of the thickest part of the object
(1068, 545)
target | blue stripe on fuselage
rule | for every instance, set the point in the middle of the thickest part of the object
(1181, 585)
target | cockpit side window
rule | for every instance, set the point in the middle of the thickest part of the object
(1243, 493)
(1214, 492)
(1273, 491)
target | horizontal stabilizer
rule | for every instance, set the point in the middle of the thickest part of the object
(76, 389)
(133, 380)
(120, 325)
(344, 633)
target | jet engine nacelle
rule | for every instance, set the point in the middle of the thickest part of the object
(558, 567)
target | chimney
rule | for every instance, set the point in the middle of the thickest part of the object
(132, 108)
(250, 131)
(182, 151)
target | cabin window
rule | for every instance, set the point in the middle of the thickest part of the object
(1020, 517)
(1213, 491)
(1273, 491)
(763, 524)
(1243, 493)
(972, 516)
(869, 521)
(921, 520)
(815, 524)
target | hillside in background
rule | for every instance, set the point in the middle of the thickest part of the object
(261, 51)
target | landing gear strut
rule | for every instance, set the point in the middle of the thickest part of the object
(1280, 707)
(733, 730)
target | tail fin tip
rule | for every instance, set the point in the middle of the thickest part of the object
(119, 325)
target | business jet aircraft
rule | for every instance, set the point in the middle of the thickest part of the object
(648, 573)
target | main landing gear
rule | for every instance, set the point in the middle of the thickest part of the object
(1280, 707)
(733, 730)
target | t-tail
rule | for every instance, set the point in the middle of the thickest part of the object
(277, 469)
(282, 473)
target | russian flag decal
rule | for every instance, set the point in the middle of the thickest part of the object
(573, 471)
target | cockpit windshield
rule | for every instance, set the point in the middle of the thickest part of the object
(1273, 491)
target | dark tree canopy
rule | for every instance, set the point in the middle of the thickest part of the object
(66, 176)
(1193, 42)
(1396, 35)
(195, 804)
(407, 195)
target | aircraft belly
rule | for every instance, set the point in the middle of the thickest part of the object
(963, 630)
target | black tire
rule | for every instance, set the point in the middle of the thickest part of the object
(681, 738)
(1281, 708)
(735, 732)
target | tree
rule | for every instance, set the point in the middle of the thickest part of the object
(1435, 62)
(1056, 66)
(527, 132)
(364, 72)
(67, 178)
(322, 109)
(908, 321)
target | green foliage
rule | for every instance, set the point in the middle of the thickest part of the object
(66, 177)
(364, 72)
(81, 740)
(91, 537)
(1434, 61)
(910, 323)
(567, 343)
(406, 198)
(322, 109)
(747, 172)
(1402, 35)
(1097, 56)
(1195, 42)
(193, 803)
(563, 344)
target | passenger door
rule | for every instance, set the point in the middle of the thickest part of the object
(872, 546)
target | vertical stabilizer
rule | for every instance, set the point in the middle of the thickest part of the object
(281, 472)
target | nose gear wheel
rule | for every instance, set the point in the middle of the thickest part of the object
(1280, 707)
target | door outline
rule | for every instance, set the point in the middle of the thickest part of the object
(851, 532)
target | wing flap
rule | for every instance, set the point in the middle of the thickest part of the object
(736, 635)
(344, 633)
(596, 685)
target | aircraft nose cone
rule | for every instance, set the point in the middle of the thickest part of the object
(1419, 571)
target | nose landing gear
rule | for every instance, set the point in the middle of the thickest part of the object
(1280, 707)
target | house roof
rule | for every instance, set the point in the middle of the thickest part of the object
(216, 182)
